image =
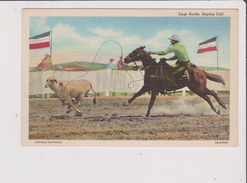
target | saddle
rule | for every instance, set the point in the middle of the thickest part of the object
(170, 80)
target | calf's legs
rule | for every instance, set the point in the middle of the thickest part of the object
(75, 104)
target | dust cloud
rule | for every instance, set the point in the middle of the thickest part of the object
(190, 106)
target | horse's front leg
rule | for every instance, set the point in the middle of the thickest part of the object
(150, 105)
(144, 89)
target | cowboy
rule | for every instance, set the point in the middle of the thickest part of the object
(110, 65)
(181, 55)
(120, 63)
(47, 60)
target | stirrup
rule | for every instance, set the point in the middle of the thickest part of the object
(186, 74)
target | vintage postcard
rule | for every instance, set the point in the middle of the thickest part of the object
(130, 77)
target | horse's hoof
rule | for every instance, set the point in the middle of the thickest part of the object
(126, 104)
(78, 114)
(224, 106)
(217, 111)
(144, 117)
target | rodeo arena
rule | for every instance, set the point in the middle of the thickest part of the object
(101, 110)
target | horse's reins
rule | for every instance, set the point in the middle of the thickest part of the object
(154, 76)
(139, 55)
(129, 74)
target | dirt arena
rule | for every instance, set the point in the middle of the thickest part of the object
(172, 118)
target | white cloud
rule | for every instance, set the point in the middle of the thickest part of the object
(64, 32)
(133, 40)
(65, 37)
(131, 43)
(164, 34)
(105, 32)
(159, 40)
(185, 33)
(38, 25)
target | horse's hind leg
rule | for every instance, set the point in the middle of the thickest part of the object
(205, 97)
(209, 92)
(202, 93)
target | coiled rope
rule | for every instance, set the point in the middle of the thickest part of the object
(95, 59)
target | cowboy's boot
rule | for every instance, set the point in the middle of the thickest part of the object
(185, 75)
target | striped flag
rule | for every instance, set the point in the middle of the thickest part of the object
(208, 45)
(40, 41)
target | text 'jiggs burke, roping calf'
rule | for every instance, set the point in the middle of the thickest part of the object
(71, 92)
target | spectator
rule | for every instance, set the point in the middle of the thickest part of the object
(47, 60)
(110, 65)
(120, 63)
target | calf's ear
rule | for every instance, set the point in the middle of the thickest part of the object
(60, 84)
(55, 80)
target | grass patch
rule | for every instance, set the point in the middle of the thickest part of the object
(180, 93)
(46, 96)
(121, 94)
(175, 94)
(190, 93)
(223, 92)
(89, 95)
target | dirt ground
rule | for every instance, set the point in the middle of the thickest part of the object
(172, 118)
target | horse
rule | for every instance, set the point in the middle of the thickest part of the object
(153, 79)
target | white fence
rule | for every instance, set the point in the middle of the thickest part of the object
(108, 80)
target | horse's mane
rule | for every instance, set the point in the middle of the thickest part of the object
(147, 54)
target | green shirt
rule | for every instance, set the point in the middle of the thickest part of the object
(178, 49)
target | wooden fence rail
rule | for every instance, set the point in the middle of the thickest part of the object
(108, 80)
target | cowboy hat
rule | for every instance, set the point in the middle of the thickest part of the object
(111, 59)
(175, 38)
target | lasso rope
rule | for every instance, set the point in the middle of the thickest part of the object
(95, 59)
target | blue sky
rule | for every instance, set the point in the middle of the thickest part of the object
(79, 38)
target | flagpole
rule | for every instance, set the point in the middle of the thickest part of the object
(217, 52)
(51, 48)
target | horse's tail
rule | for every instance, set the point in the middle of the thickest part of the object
(214, 77)
(94, 100)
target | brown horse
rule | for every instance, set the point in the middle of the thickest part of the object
(153, 80)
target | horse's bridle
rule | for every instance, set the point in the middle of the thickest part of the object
(140, 54)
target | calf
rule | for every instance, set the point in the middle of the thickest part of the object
(70, 92)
